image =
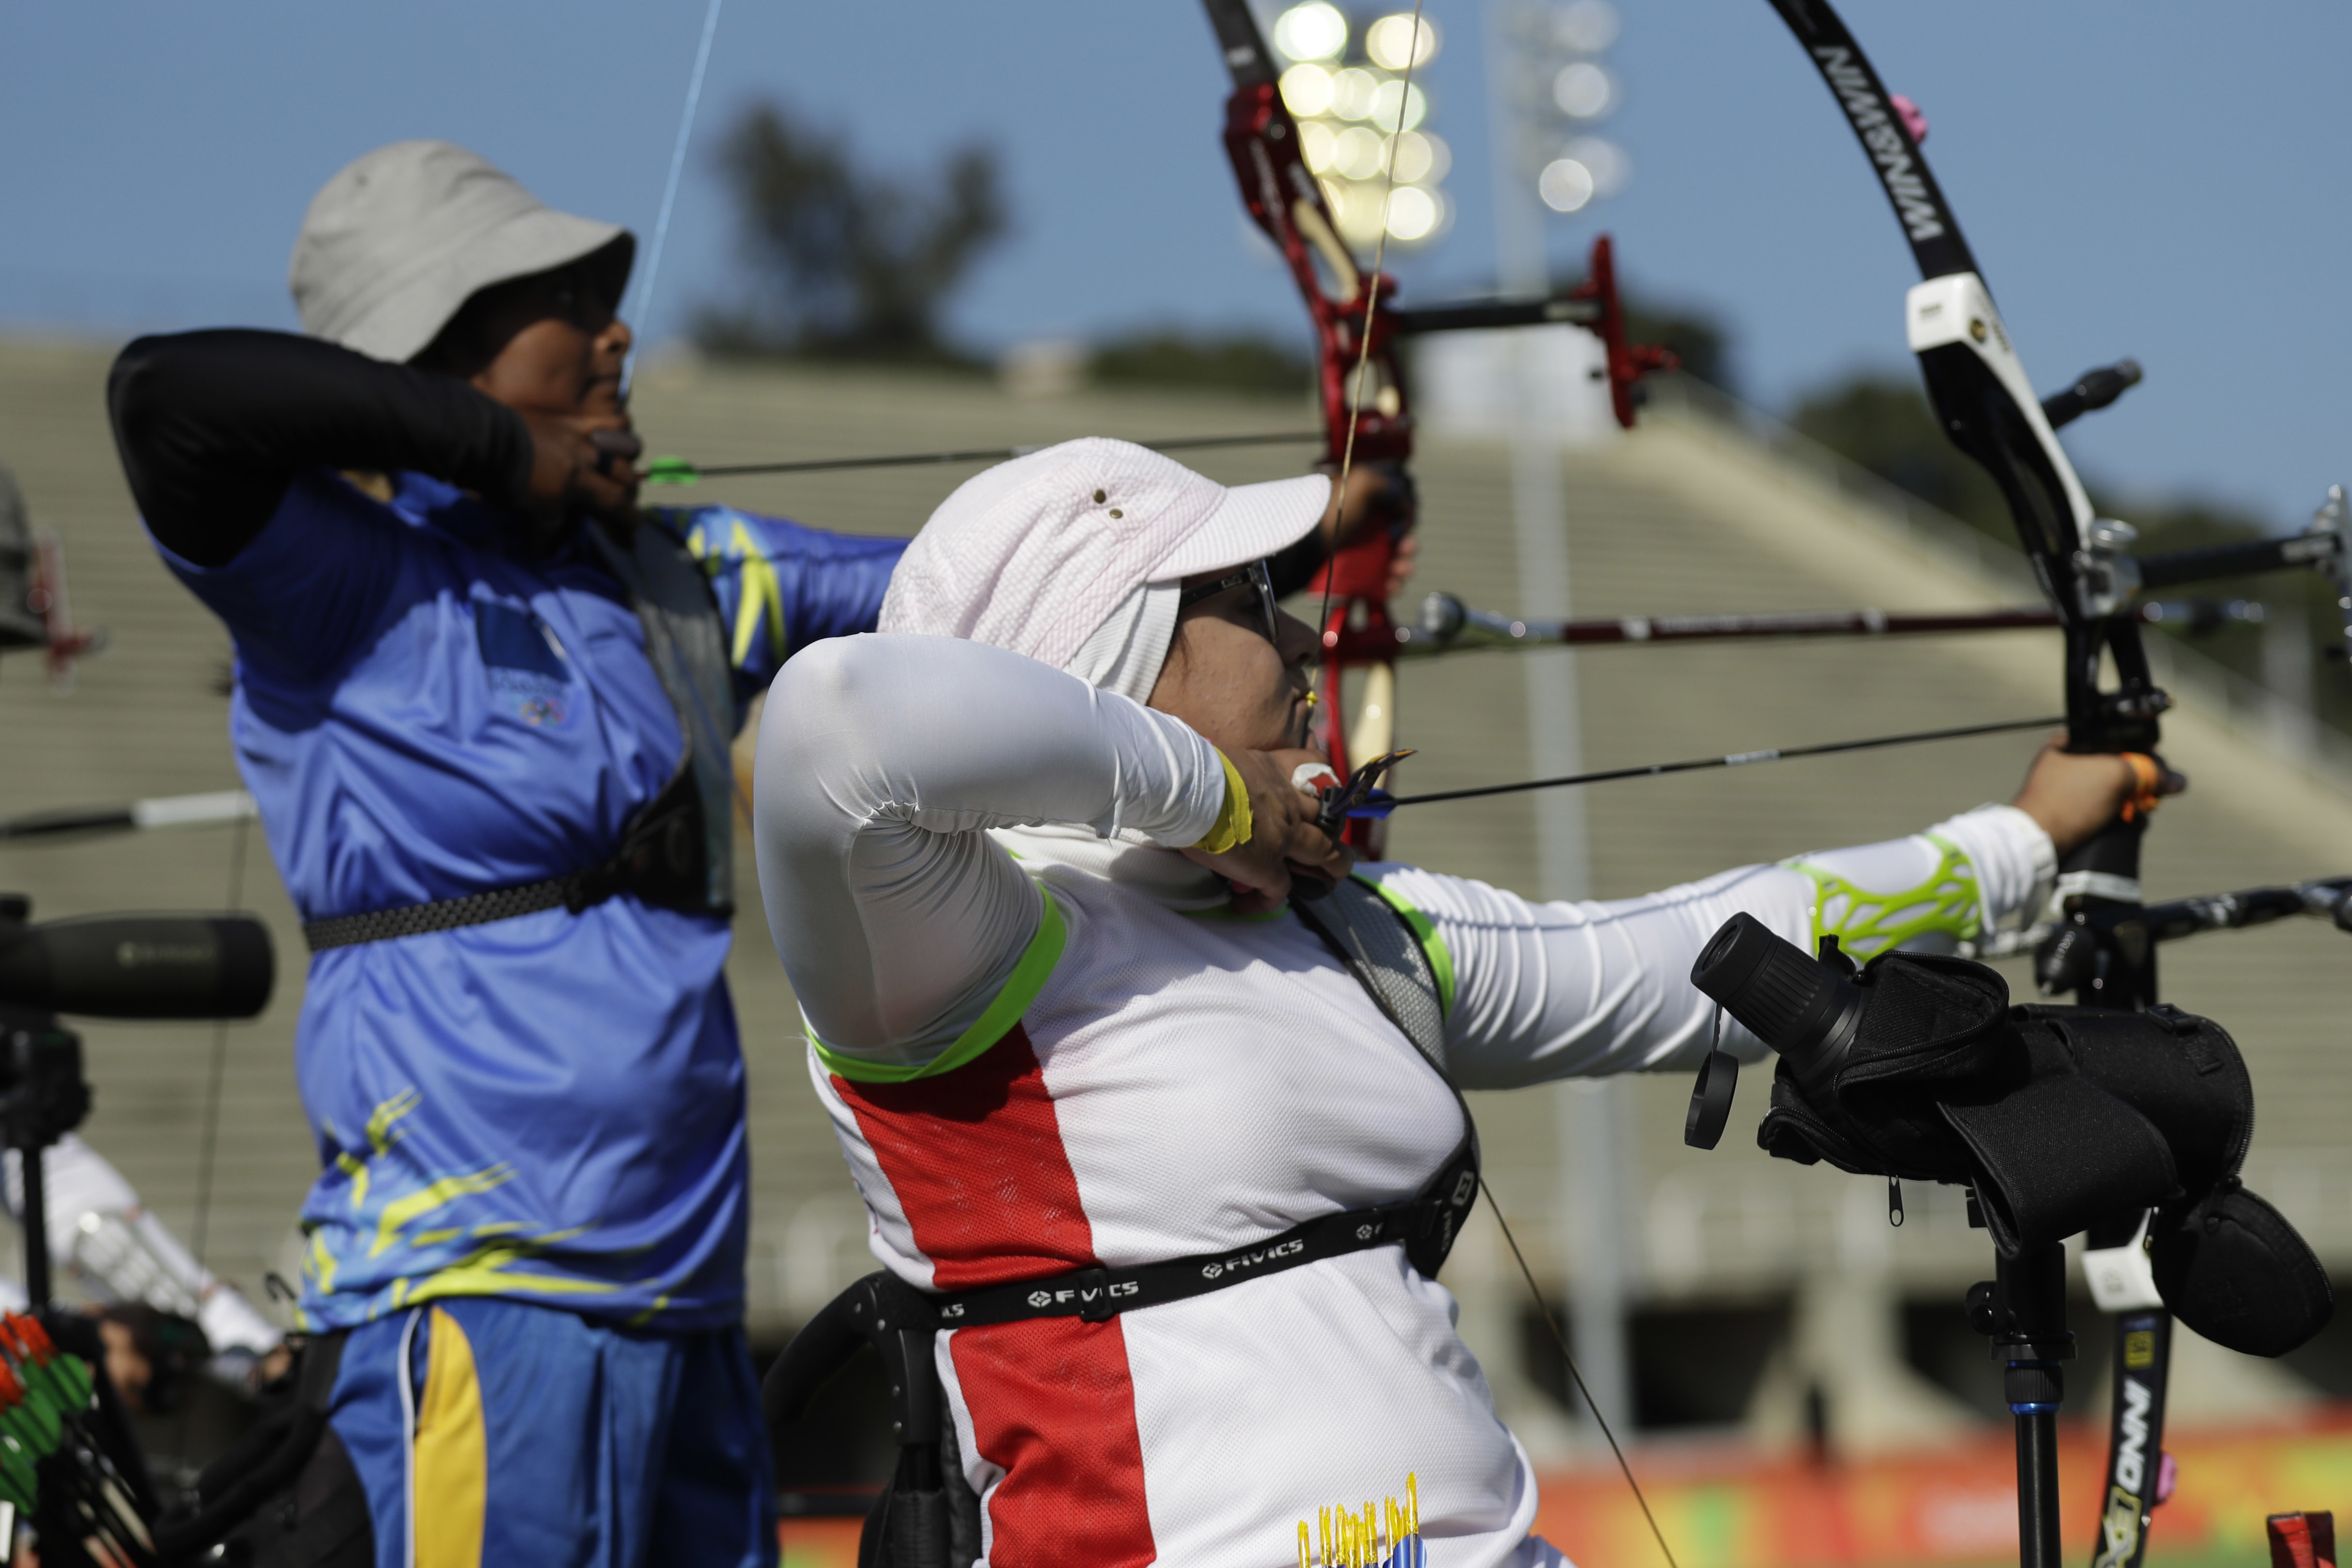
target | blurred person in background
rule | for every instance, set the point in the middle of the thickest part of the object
(486, 708)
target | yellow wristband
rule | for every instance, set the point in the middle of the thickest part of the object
(1232, 829)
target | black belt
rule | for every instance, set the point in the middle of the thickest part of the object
(661, 861)
(1426, 1223)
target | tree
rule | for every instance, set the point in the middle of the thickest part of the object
(1228, 361)
(1885, 425)
(847, 263)
(1701, 341)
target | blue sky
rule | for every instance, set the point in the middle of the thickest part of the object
(2138, 176)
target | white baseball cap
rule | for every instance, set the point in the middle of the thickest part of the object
(400, 239)
(1041, 554)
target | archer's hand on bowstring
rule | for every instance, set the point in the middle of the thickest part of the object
(1379, 495)
(1285, 841)
(581, 463)
(2073, 794)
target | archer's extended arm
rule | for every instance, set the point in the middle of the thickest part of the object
(1568, 989)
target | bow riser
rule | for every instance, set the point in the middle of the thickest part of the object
(1987, 408)
(1285, 201)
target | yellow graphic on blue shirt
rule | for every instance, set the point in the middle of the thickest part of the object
(408, 1234)
(779, 587)
(731, 553)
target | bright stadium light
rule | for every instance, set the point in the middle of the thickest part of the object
(1316, 144)
(1307, 90)
(1583, 90)
(1397, 105)
(1588, 27)
(1606, 161)
(1314, 31)
(1422, 159)
(1352, 93)
(1357, 151)
(1565, 186)
(1413, 212)
(1393, 45)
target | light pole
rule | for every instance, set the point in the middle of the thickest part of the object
(1545, 87)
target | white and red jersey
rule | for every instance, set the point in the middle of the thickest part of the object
(1045, 1046)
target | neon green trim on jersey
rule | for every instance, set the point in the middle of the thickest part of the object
(1868, 923)
(1441, 962)
(1020, 988)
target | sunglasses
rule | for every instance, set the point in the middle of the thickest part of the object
(1254, 575)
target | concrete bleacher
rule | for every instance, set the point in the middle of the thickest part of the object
(1693, 513)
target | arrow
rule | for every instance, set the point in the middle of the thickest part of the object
(1379, 806)
(678, 471)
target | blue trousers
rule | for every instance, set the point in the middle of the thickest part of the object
(490, 1431)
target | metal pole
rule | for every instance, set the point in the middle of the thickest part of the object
(1593, 1129)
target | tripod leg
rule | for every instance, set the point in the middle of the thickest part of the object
(2029, 1313)
(2037, 1489)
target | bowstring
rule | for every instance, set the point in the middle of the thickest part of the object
(669, 185)
(1372, 287)
(1560, 1340)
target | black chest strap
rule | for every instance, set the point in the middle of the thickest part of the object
(660, 860)
(677, 850)
(1426, 1224)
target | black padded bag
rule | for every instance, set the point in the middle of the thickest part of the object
(2233, 1268)
(2059, 1118)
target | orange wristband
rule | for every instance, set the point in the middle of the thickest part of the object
(2147, 774)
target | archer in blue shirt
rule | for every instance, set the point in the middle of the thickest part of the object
(488, 735)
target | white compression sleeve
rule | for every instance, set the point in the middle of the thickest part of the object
(882, 762)
(1557, 990)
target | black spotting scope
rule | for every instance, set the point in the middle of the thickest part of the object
(136, 966)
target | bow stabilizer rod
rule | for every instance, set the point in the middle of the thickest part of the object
(1447, 625)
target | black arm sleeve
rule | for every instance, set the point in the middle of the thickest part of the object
(212, 426)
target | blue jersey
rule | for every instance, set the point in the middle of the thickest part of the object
(548, 1108)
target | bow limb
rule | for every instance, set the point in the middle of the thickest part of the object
(1360, 388)
(1979, 391)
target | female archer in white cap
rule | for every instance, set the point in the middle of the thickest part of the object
(1170, 1163)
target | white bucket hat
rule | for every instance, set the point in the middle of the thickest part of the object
(1072, 556)
(401, 238)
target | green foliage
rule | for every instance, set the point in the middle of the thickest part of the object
(1702, 341)
(846, 263)
(1885, 425)
(1225, 362)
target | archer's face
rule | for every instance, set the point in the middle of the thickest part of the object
(1226, 680)
(549, 344)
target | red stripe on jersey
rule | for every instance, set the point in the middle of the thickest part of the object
(975, 1157)
(1051, 1403)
